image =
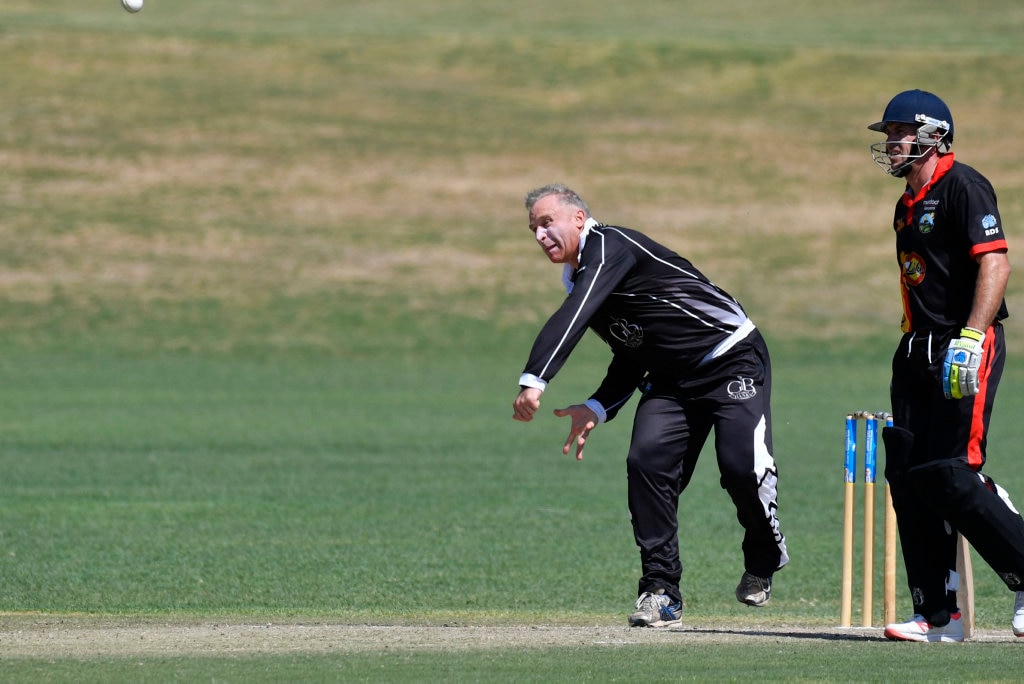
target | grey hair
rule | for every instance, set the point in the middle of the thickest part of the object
(566, 197)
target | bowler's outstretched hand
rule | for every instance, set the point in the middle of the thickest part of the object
(583, 421)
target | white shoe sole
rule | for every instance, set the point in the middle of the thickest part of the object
(657, 623)
(754, 602)
(931, 638)
(924, 638)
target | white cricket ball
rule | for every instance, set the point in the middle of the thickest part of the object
(132, 5)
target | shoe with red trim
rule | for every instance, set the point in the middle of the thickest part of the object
(919, 629)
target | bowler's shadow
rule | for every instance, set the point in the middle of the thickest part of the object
(786, 634)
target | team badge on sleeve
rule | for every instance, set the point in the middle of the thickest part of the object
(991, 226)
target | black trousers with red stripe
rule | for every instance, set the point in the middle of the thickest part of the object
(939, 489)
(731, 396)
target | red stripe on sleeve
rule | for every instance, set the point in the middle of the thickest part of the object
(986, 247)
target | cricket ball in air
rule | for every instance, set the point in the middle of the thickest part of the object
(132, 5)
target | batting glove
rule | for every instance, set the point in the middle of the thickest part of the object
(960, 369)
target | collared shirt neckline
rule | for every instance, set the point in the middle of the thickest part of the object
(567, 270)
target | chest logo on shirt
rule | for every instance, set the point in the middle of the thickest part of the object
(914, 268)
(629, 334)
(926, 224)
(741, 388)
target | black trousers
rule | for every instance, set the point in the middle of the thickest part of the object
(940, 490)
(732, 395)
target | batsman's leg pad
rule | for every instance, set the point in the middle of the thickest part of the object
(953, 489)
(1000, 492)
(898, 444)
(983, 515)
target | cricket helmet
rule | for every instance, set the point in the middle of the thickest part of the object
(917, 108)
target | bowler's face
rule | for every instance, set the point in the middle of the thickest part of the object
(557, 228)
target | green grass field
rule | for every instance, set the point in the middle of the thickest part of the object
(265, 293)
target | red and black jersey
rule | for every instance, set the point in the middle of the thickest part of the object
(940, 233)
(657, 312)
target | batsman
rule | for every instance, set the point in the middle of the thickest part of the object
(951, 249)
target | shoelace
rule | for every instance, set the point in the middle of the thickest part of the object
(642, 598)
(647, 596)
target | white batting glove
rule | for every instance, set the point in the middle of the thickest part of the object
(960, 369)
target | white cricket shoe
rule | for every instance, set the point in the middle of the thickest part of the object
(1018, 615)
(656, 610)
(919, 629)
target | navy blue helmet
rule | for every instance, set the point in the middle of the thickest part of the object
(934, 125)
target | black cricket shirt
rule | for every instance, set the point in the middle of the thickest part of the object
(658, 313)
(939, 234)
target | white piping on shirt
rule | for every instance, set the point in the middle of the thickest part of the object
(729, 342)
